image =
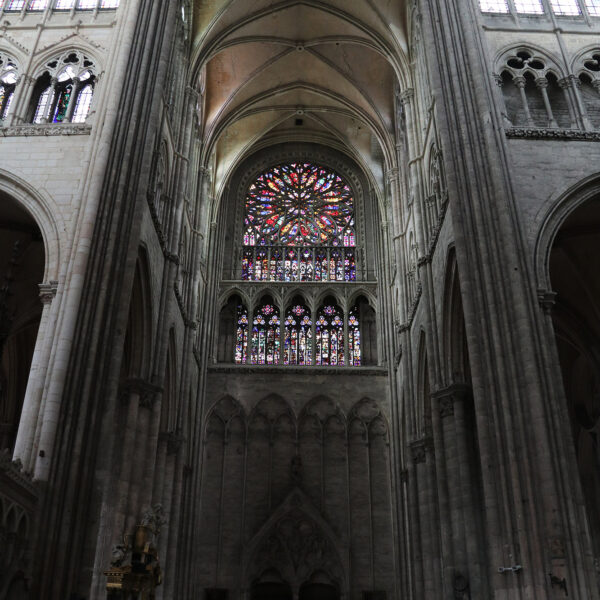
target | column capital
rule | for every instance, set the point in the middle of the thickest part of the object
(519, 82)
(546, 299)
(447, 397)
(541, 82)
(420, 448)
(392, 174)
(406, 96)
(146, 391)
(565, 83)
(48, 291)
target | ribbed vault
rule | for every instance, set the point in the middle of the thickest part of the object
(307, 70)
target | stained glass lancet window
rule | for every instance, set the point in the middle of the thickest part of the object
(329, 336)
(241, 342)
(297, 348)
(265, 335)
(299, 225)
(8, 82)
(354, 351)
(65, 90)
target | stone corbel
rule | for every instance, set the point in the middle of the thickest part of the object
(420, 448)
(447, 397)
(546, 299)
(146, 391)
(48, 291)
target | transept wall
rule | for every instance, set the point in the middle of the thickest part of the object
(445, 466)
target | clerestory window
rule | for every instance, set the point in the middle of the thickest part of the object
(561, 8)
(39, 5)
(64, 92)
(8, 82)
(298, 288)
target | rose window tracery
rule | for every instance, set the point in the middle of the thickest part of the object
(299, 225)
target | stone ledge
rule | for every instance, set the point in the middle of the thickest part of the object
(289, 370)
(553, 134)
(45, 130)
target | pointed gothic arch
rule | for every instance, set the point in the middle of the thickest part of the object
(572, 268)
(454, 342)
(137, 355)
(297, 543)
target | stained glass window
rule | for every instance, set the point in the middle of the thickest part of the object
(497, 6)
(593, 7)
(84, 101)
(265, 336)
(565, 7)
(241, 343)
(532, 7)
(8, 82)
(297, 347)
(69, 95)
(354, 353)
(38, 4)
(329, 328)
(14, 5)
(64, 97)
(64, 4)
(299, 226)
(46, 97)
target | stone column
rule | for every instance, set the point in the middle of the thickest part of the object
(575, 84)
(52, 102)
(30, 413)
(523, 476)
(73, 100)
(520, 82)
(542, 85)
(21, 100)
(565, 86)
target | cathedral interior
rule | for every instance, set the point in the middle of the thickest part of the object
(299, 299)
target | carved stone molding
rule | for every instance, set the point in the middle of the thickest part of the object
(553, 134)
(197, 357)
(406, 96)
(33, 130)
(13, 470)
(144, 389)
(420, 448)
(173, 440)
(187, 321)
(546, 299)
(48, 291)
(447, 397)
(412, 309)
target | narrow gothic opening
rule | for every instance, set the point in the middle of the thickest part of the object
(22, 260)
(574, 271)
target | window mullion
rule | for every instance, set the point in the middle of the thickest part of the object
(512, 9)
(72, 100)
(313, 337)
(346, 337)
(281, 333)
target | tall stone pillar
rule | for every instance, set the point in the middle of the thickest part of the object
(525, 505)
